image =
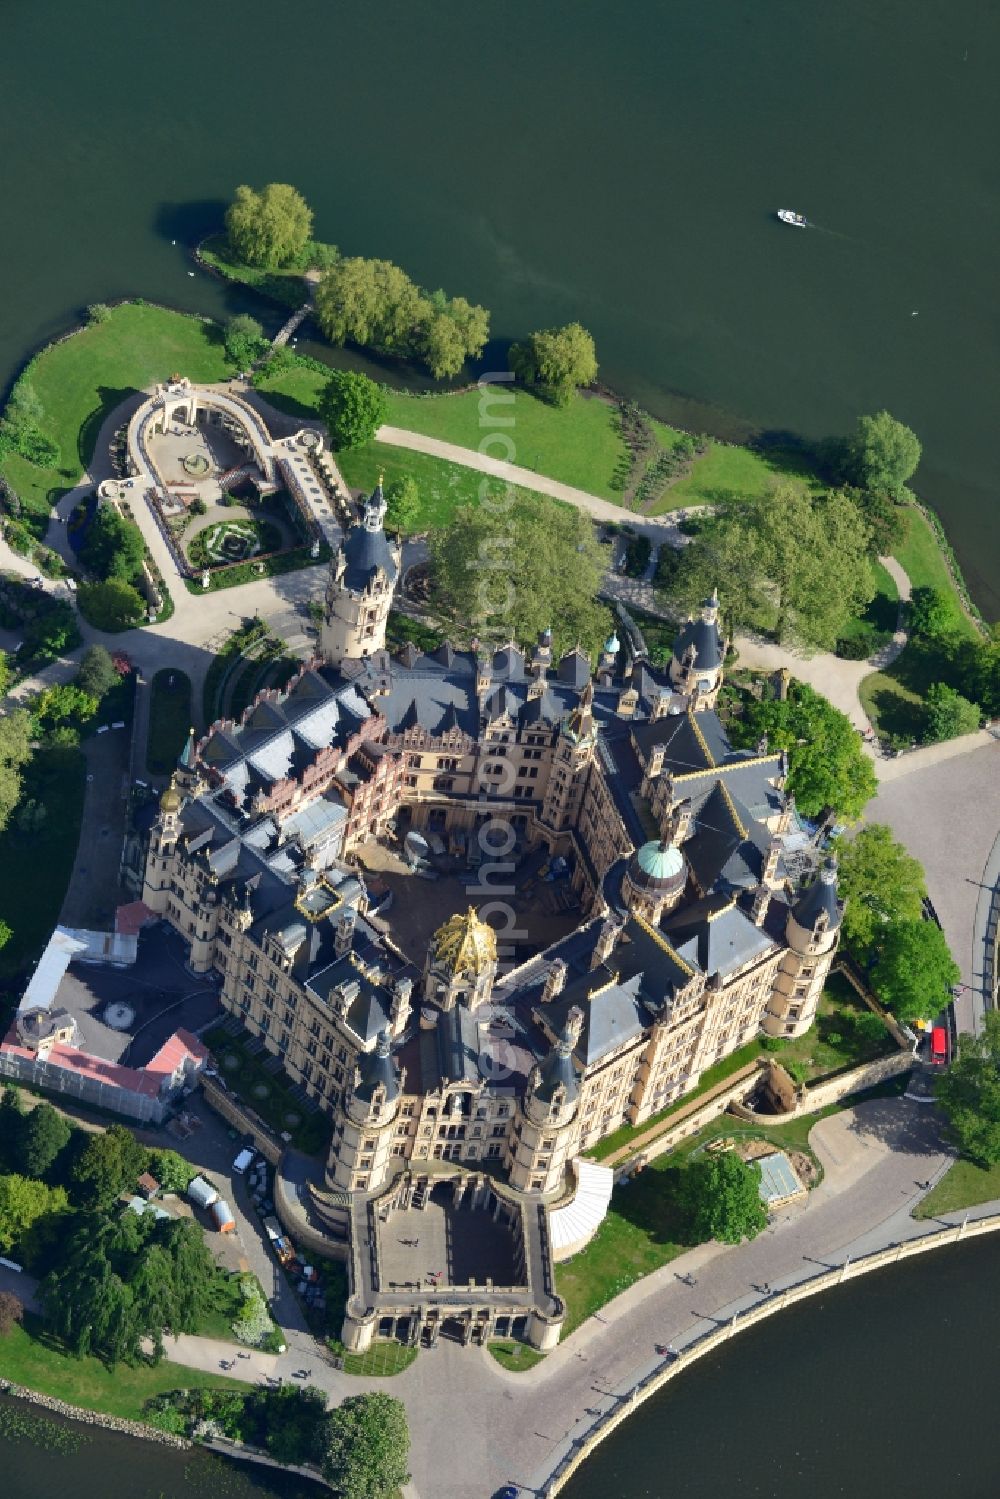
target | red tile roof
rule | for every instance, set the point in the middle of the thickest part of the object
(146, 1080)
(131, 918)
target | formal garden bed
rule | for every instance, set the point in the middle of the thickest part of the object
(169, 720)
(228, 541)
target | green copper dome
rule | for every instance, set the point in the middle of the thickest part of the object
(660, 861)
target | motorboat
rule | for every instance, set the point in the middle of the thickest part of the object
(789, 216)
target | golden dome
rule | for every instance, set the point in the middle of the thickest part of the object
(465, 944)
(170, 801)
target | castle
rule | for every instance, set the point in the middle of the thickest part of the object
(691, 941)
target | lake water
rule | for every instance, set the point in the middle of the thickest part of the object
(620, 164)
(882, 1389)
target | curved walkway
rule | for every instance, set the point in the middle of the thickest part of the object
(876, 1156)
(526, 478)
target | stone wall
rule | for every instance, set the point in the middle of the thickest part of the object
(608, 1422)
(94, 1418)
(244, 1119)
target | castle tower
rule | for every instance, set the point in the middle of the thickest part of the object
(162, 842)
(361, 1150)
(699, 654)
(571, 762)
(546, 1114)
(359, 589)
(812, 931)
(461, 962)
(654, 880)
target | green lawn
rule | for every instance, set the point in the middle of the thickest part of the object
(443, 486)
(169, 720)
(35, 867)
(963, 1185)
(893, 699)
(845, 1034)
(883, 611)
(79, 382)
(579, 444)
(725, 473)
(517, 1357)
(29, 1357)
(709, 1079)
(920, 556)
(385, 1357)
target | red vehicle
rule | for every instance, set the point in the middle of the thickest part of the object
(939, 1046)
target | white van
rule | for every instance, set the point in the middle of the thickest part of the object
(242, 1161)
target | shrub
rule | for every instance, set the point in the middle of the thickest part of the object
(253, 1326)
(113, 605)
(98, 312)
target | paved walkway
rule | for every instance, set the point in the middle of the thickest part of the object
(876, 1156)
(601, 510)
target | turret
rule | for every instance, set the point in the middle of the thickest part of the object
(698, 657)
(546, 1115)
(360, 585)
(461, 962)
(812, 932)
(359, 1158)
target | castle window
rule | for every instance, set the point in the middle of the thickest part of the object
(362, 1184)
(366, 1163)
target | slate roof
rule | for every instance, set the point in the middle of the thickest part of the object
(691, 741)
(715, 935)
(818, 898)
(366, 553)
(612, 1012)
(557, 1071)
(728, 845)
(704, 636)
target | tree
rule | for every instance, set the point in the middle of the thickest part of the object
(11, 1312)
(6, 673)
(113, 547)
(509, 570)
(43, 1134)
(880, 882)
(22, 1203)
(402, 503)
(721, 1199)
(932, 614)
(881, 455)
(111, 1161)
(52, 630)
(58, 704)
(884, 517)
(969, 1093)
(295, 1423)
(111, 606)
(15, 752)
(556, 361)
(975, 667)
(97, 674)
(792, 563)
(914, 972)
(367, 1445)
(949, 714)
(244, 341)
(353, 408)
(269, 228)
(456, 330)
(6, 932)
(827, 767)
(171, 1170)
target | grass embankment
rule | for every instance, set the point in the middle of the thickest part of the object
(893, 699)
(31, 1358)
(443, 486)
(844, 1034)
(642, 1230)
(517, 1357)
(287, 287)
(80, 381)
(35, 866)
(169, 720)
(725, 473)
(881, 614)
(963, 1185)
